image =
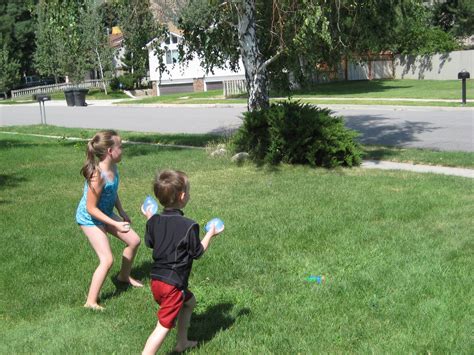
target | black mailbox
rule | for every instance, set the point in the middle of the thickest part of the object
(41, 97)
(464, 75)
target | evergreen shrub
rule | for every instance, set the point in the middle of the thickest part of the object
(127, 80)
(296, 133)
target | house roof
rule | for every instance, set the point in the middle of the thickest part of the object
(115, 40)
(172, 30)
(175, 30)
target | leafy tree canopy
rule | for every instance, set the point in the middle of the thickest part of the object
(455, 16)
(295, 36)
(9, 69)
(139, 27)
(71, 39)
(17, 36)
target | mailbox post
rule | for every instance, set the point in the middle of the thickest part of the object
(41, 98)
(463, 75)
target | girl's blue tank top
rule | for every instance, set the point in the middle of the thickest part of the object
(106, 202)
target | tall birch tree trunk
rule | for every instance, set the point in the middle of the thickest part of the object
(255, 68)
(101, 70)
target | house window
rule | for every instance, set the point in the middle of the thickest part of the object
(172, 56)
(173, 40)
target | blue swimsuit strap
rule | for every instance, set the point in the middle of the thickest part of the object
(105, 177)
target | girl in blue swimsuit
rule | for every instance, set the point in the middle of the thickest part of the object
(95, 212)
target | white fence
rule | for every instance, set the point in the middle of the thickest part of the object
(367, 70)
(445, 66)
(234, 87)
(46, 89)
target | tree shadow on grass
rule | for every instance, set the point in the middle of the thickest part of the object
(353, 87)
(10, 181)
(215, 319)
(50, 142)
(372, 152)
(137, 150)
(12, 143)
(196, 140)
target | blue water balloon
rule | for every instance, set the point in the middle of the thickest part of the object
(217, 222)
(150, 203)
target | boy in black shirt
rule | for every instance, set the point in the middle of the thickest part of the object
(175, 242)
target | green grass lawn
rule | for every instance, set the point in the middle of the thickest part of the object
(95, 94)
(371, 102)
(210, 96)
(367, 90)
(21, 101)
(406, 88)
(194, 140)
(395, 247)
(419, 156)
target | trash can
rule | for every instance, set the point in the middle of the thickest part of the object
(69, 94)
(80, 97)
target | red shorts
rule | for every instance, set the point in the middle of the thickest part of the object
(170, 299)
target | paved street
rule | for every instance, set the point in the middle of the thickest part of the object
(435, 128)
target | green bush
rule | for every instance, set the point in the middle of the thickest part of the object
(296, 133)
(127, 80)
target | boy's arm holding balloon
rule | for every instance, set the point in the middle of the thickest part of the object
(212, 232)
(149, 207)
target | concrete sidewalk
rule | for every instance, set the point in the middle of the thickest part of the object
(418, 168)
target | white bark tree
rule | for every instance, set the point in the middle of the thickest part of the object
(96, 40)
(254, 66)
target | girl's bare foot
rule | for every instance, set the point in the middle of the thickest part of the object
(131, 281)
(94, 307)
(180, 347)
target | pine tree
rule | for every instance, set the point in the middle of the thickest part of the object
(8, 69)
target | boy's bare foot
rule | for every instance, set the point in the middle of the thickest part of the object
(180, 347)
(131, 281)
(94, 307)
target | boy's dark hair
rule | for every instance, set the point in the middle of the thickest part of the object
(168, 185)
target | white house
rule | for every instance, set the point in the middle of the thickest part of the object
(185, 77)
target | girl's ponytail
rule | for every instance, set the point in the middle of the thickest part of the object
(90, 164)
(97, 148)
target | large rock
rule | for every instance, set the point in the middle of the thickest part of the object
(240, 157)
(219, 152)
